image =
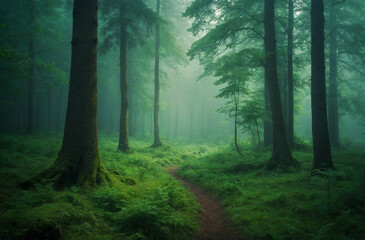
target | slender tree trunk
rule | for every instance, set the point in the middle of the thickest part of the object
(290, 121)
(78, 162)
(123, 132)
(321, 143)
(58, 120)
(31, 76)
(281, 156)
(131, 94)
(235, 125)
(191, 122)
(176, 122)
(203, 122)
(333, 87)
(258, 132)
(157, 140)
(48, 108)
(284, 89)
(143, 122)
(268, 130)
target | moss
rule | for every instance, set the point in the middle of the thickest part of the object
(281, 204)
(140, 188)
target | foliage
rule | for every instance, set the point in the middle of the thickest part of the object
(274, 205)
(148, 204)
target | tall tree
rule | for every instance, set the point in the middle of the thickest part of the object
(281, 155)
(333, 86)
(157, 141)
(321, 142)
(290, 118)
(123, 126)
(78, 161)
(124, 20)
(31, 75)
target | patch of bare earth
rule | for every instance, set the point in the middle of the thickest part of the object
(213, 221)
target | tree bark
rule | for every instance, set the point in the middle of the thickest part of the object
(267, 123)
(48, 108)
(156, 124)
(321, 143)
(235, 125)
(281, 155)
(176, 123)
(333, 87)
(290, 119)
(78, 162)
(31, 75)
(123, 132)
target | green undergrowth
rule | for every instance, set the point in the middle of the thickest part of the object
(279, 205)
(150, 204)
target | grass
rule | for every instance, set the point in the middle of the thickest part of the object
(277, 205)
(151, 204)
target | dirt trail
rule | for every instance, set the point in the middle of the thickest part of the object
(214, 224)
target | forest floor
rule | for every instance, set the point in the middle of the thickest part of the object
(238, 198)
(214, 223)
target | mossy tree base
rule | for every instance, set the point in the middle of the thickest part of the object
(283, 163)
(157, 144)
(68, 172)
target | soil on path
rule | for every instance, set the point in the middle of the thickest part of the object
(213, 222)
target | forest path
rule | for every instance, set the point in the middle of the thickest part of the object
(213, 222)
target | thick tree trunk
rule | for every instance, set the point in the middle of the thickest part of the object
(290, 120)
(31, 76)
(123, 132)
(333, 87)
(321, 143)
(78, 162)
(267, 123)
(281, 156)
(156, 124)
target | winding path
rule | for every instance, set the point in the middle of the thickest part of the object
(214, 224)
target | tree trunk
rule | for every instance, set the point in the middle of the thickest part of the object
(235, 125)
(123, 132)
(31, 76)
(176, 122)
(321, 143)
(333, 92)
(258, 132)
(267, 123)
(157, 140)
(78, 162)
(48, 108)
(281, 156)
(290, 120)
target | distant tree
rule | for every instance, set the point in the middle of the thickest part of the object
(124, 20)
(321, 142)
(78, 162)
(290, 118)
(156, 125)
(31, 75)
(333, 86)
(252, 117)
(281, 155)
(234, 71)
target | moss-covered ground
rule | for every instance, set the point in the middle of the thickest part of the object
(277, 205)
(150, 204)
